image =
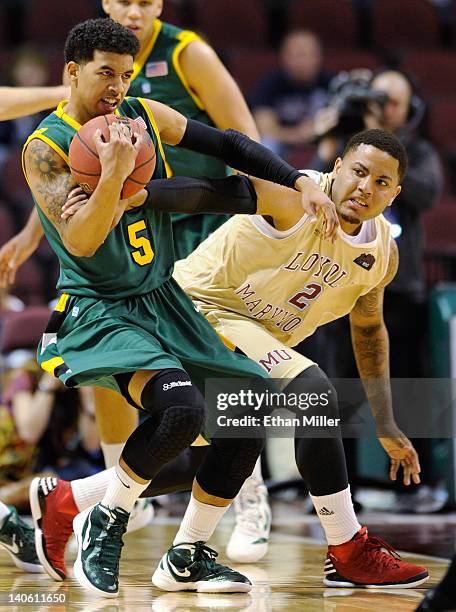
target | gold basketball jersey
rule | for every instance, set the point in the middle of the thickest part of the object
(290, 281)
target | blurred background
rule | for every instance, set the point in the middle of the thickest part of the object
(314, 72)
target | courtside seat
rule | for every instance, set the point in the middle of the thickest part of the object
(48, 23)
(435, 69)
(249, 67)
(232, 23)
(334, 22)
(348, 59)
(404, 23)
(439, 226)
(29, 283)
(23, 329)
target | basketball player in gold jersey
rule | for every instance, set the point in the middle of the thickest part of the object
(266, 284)
(179, 69)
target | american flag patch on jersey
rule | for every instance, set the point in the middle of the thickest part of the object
(156, 69)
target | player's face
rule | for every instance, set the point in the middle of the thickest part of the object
(101, 85)
(366, 182)
(137, 15)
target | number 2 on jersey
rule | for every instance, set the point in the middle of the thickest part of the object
(144, 254)
(310, 292)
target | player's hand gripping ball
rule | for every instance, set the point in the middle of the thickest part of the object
(85, 164)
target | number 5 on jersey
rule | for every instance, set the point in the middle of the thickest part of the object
(144, 254)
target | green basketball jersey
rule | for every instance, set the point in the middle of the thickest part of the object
(158, 75)
(137, 255)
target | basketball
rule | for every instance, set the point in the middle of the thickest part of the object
(85, 164)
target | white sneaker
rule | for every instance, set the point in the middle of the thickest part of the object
(249, 540)
(141, 515)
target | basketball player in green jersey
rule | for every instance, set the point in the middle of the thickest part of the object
(121, 321)
(177, 68)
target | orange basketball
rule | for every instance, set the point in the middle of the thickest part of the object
(85, 164)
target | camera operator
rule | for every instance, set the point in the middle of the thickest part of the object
(388, 101)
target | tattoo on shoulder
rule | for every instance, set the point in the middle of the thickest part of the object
(54, 178)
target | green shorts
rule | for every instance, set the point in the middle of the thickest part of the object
(190, 230)
(89, 340)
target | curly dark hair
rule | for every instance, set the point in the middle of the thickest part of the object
(102, 34)
(383, 140)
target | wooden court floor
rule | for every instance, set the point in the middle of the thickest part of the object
(289, 578)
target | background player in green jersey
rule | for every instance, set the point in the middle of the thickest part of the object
(177, 68)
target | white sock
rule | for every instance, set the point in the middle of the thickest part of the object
(337, 516)
(111, 453)
(199, 522)
(122, 491)
(89, 491)
(4, 512)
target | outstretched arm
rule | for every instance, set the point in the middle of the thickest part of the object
(371, 348)
(237, 151)
(231, 195)
(20, 101)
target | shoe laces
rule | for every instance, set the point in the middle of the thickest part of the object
(382, 551)
(249, 511)
(207, 557)
(25, 535)
(110, 546)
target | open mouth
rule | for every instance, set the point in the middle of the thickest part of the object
(357, 203)
(134, 28)
(110, 103)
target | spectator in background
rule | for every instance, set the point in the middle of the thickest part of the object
(405, 307)
(288, 98)
(44, 428)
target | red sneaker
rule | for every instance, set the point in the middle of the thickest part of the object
(53, 510)
(369, 562)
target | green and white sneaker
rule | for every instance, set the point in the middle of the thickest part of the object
(99, 531)
(192, 567)
(18, 539)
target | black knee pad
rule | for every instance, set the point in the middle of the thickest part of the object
(227, 465)
(177, 415)
(171, 387)
(316, 391)
(319, 451)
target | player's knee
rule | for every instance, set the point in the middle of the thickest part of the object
(171, 396)
(313, 394)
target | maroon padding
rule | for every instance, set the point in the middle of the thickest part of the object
(333, 21)
(434, 69)
(48, 23)
(228, 23)
(404, 23)
(23, 330)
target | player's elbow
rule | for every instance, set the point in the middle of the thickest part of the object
(81, 250)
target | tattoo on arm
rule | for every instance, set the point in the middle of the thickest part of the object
(371, 349)
(368, 305)
(53, 179)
